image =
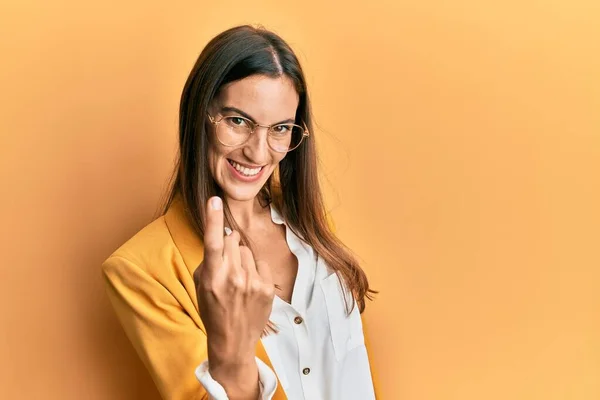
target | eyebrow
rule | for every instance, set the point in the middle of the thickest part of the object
(246, 115)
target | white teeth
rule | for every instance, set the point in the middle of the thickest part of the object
(243, 170)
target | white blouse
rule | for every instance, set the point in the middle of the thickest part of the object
(319, 352)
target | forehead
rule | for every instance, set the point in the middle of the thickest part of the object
(264, 98)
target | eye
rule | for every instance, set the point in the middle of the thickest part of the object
(237, 121)
(281, 129)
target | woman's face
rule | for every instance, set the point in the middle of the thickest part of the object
(241, 171)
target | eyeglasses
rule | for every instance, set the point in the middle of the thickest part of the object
(235, 131)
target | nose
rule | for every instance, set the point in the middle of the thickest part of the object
(257, 146)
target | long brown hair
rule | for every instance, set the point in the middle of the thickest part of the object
(294, 188)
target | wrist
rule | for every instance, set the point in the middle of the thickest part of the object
(240, 378)
(234, 364)
(224, 352)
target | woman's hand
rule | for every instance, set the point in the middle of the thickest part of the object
(235, 297)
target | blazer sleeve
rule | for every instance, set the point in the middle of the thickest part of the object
(165, 337)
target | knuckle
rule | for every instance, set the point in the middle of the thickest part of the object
(209, 282)
(207, 286)
(268, 291)
(237, 282)
(255, 286)
(212, 244)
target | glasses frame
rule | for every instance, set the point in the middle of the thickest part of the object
(254, 125)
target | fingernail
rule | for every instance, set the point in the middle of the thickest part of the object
(228, 231)
(216, 203)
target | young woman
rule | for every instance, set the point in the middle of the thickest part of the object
(240, 289)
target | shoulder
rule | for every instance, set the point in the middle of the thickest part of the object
(150, 249)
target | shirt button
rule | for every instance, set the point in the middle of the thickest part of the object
(306, 371)
(298, 320)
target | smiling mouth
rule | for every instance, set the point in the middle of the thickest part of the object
(245, 170)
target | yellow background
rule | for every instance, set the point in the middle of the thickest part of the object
(461, 140)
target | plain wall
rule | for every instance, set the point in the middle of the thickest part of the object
(460, 140)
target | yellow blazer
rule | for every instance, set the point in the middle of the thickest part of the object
(149, 281)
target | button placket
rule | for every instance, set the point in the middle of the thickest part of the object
(305, 353)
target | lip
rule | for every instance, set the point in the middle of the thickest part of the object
(234, 172)
(246, 165)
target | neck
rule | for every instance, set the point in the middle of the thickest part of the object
(246, 213)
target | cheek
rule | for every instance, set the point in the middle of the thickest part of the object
(214, 156)
(216, 151)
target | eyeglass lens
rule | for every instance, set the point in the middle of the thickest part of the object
(235, 131)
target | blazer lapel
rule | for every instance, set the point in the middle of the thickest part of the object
(192, 251)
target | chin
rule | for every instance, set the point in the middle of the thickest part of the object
(240, 194)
